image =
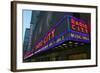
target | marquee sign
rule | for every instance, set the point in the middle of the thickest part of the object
(68, 28)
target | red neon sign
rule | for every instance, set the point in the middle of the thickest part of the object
(79, 26)
(48, 37)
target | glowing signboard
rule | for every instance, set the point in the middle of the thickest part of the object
(47, 38)
(68, 28)
(53, 33)
(79, 26)
(78, 31)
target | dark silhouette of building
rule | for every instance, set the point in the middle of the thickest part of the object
(26, 40)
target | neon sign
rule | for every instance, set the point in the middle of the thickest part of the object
(60, 32)
(78, 25)
(47, 38)
(55, 31)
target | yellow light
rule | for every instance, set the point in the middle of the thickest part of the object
(56, 47)
(70, 42)
(64, 44)
(59, 46)
(76, 43)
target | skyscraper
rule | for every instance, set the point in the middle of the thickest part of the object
(26, 40)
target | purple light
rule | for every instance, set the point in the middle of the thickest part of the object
(54, 39)
(65, 39)
(80, 40)
(79, 33)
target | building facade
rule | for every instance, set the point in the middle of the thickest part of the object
(26, 41)
(60, 36)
